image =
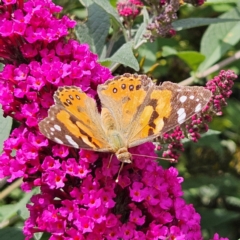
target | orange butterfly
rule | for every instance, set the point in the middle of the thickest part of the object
(134, 111)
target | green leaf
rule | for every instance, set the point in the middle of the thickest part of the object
(110, 10)
(105, 63)
(233, 201)
(42, 236)
(219, 38)
(83, 34)
(5, 128)
(21, 206)
(80, 13)
(38, 235)
(198, 22)
(4, 210)
(12, 233)
(191, 58)
(95, 30)
(86, 3)
(8, 211)
(210, 132)
(168, 51)
(125, 56)
(142, 29)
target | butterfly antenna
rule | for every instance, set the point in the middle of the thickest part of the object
(120, 169)
(162, 158)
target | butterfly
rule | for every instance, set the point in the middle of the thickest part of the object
(133, 111)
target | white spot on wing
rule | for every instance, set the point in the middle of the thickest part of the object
(183, 99)
(58, 140)
(52, 129)
(198, 107)
(57, 127)
(181, 115)
(71, 141)
(191, 97)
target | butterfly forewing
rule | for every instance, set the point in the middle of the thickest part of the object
(74, 121)
(123, 96)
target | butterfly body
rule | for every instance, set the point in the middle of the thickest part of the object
(118, 146)
(134, 111)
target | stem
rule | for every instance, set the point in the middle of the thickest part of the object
(111, 43)
(114, 66)
(140, 43)
(212, 69)
(10, 188)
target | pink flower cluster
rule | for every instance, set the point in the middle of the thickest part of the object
(161, 25)
(86, 202)
(163, 14)
(221, 87)
(26, 29)
(129, 8)
(34, 69)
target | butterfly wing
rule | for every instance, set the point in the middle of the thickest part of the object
(143, 111)
(74, 121)
(186, 101)
(168, 106)
(122, 97)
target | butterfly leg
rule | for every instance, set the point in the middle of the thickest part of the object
(120, 169)
(110, 160)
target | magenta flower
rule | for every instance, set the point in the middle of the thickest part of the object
(217, 237)
(136, 217)
(26, 89)
(129, 8)
(137, 193)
